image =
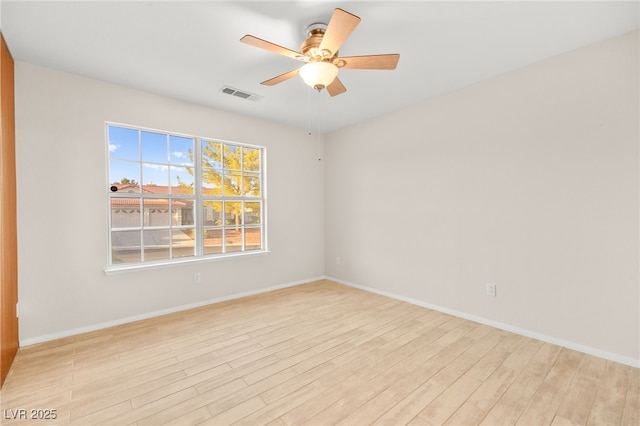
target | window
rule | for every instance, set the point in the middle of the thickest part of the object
(175, 197)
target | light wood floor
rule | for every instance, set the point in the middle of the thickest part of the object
(316, 354)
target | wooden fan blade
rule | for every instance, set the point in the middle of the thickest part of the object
(371, 62)
(336, 87)
(340, 26)
(282, 77)
(271, 47)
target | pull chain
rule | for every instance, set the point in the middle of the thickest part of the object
(309, 110)
(319, 110)
(318, 115)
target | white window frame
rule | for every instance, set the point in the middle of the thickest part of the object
(198, 211)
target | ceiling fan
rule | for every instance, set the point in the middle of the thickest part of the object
(320, 54)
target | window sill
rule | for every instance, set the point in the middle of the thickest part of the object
(120, 269)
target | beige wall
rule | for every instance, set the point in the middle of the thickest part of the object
(528, 181)
(62, 210)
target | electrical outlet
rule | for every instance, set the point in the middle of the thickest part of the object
(196, 277)
(338, 260)
(491, 290)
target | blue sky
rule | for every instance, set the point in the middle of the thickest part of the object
(164, 157)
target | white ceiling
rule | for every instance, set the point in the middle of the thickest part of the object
(189, 50)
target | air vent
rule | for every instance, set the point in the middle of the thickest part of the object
(240, 94)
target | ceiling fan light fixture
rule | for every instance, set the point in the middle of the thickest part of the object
(319, 74)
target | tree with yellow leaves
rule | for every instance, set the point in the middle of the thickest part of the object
(232, 171)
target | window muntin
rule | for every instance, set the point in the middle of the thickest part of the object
(173, 197)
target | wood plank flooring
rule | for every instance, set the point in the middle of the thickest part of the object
(315, 354)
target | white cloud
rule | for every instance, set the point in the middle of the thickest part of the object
(156, 166)
(113, 147)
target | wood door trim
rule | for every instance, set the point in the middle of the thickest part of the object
(8, 216)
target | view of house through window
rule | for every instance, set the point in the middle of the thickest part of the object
(173, 197)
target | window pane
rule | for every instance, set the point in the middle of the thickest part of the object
(232, 157)
(181, 180)
(211, 181)
(213, 241)
(155, 178)
(125, 247)
(182, 212)
(212, 213)
(125, 213)
(250, 159)
(123, 143)
(233, 240)
(182, 243)
(233, 213)
(181, 150)
(232, 184)
(253, 238)
(252, 213)
(156, 244)
(251, 184)
(156, 212)
(124, 175)
(211, 155)
(154, 148)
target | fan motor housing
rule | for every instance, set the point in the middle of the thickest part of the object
(310, 47)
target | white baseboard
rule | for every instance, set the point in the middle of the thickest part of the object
(94, 327)
(507, 327)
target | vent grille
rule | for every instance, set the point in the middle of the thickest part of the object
(240, 93)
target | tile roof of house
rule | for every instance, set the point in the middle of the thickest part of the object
(148, 202)
(153, 189)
